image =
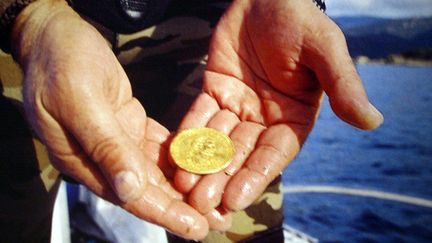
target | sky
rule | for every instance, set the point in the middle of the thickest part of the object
(380, 8)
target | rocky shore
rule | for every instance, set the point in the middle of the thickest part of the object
(415, 58)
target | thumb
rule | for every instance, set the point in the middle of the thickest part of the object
(327, 55)
(103, 140)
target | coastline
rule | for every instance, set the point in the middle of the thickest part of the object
(396, 59)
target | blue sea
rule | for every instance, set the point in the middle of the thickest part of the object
(348, 185)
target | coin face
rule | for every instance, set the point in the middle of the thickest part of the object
(202, 150)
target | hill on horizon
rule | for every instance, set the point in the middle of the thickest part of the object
(380, 37)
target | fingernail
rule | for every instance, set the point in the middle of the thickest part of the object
(378, 117)
(127, 186)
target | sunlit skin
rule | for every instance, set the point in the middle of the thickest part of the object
(269, 63)
(79, 102)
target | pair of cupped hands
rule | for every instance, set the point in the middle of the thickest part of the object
(269, 64)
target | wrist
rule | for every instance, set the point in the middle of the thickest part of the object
(30, 24)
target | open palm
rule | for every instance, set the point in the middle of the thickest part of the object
(269, 63)
(79, 102)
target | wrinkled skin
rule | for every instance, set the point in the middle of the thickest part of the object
(269, 64)
(79, 102)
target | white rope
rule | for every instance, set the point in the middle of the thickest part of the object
(359, 192)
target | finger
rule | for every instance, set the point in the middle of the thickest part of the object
(327, 54)
(158, 167)
(155, 132)
(275, 148)
(224, 121)
(79, 167)
(185, 181)
(201, 111)
(234, 95)
(156, 205)
(174, 215)
(152, 138)
(133, 120)
(158, 155)
(219, 219)
(74, 162)
(103, 139)
(208, 192)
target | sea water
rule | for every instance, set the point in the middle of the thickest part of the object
(348, 185)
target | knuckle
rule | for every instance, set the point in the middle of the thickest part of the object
(103, 150)
(331, 32)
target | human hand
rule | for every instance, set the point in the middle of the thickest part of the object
(269, 63)
(79, 102)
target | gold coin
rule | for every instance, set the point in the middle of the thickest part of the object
(202, 150)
